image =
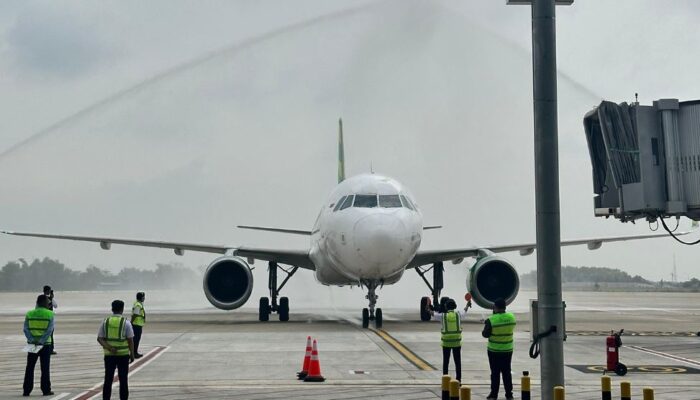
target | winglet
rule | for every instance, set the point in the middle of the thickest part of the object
(341, 152)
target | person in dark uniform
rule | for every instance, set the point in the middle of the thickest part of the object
(38, 326)
(498, 328)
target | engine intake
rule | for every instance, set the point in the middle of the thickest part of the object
(228, 282)
(491, 278)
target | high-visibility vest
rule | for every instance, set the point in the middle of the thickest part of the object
(38, 320)
(451, 329)
(502, 327)
(140, 318)
(115, 335)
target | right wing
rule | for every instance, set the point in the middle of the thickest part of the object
(299, 258)
(278, 230)
(433, 256)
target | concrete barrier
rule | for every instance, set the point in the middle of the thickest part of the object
(525, 386)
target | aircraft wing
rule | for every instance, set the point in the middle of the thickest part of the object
(299, 258)
(433, 256)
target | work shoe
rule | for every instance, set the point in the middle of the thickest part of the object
(138, 355)
(492, 396)
(509, 397)
(53, 353)
(48, 394)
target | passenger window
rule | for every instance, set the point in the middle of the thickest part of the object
(389, 201)
(407, 203)
(365, 200)
(339, 203)
(347, 203)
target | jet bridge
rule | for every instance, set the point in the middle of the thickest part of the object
(645, 159)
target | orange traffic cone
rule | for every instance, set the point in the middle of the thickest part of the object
(307, 359)
(314, 367)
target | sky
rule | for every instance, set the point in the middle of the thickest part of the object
(178, 120)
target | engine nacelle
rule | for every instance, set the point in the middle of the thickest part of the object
(228, 282)
(491, 278)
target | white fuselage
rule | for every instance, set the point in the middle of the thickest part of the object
(367, 231)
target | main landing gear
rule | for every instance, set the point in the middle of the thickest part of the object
(435, 289)
(370, 314)
(281, 308)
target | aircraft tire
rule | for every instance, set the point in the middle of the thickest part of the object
(365, 318)
(424, 313)
(378, 318)
(264, 309)
(284, 309)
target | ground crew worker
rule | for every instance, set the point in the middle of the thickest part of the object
(498, 328)
(53, 305)
(116, 336)
(451, 335)
(38, 327)
(138, 320)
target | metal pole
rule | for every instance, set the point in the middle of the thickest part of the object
(544, 67)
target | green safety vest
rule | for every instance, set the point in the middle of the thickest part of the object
(38, 320)
(502, 327)
(115, 335)
(451, 330)
(140, 318)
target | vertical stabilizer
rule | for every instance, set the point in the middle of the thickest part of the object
(341, 152)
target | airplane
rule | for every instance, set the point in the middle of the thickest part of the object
(367, 234)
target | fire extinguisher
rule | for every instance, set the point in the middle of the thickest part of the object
(612, 346)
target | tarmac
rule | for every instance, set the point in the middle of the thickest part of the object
(206, 353)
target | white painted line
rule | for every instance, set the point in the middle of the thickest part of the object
(666, 355)
(60, 396)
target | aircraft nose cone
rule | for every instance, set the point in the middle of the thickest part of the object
(380, 239)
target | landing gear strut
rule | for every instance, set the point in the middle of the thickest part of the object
(371, 313)
(435, 289)
(281, 308)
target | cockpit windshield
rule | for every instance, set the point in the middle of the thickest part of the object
(389, 201)
(365, 201)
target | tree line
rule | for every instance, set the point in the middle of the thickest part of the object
(570, 274)
(20, 275)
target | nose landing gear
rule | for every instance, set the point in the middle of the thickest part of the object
(370, 314)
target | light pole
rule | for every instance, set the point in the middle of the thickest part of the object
(549, 297)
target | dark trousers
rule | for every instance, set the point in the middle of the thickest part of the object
(44, 356)
(457, 353)
(500, 365)
(138, 330)
(121, 364)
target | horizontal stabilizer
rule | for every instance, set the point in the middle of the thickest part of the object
(425, 228)
(279, 230)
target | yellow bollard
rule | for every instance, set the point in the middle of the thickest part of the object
(605, 387)
(625, 391)
(648, 393)
(446, 387)
(465, 393)
(559, 393)
(525, 386)
(454, 389)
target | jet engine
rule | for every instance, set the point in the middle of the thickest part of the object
(228, 282)
(491, 278)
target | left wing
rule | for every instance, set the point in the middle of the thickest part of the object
(299, 258)
(433, 256)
